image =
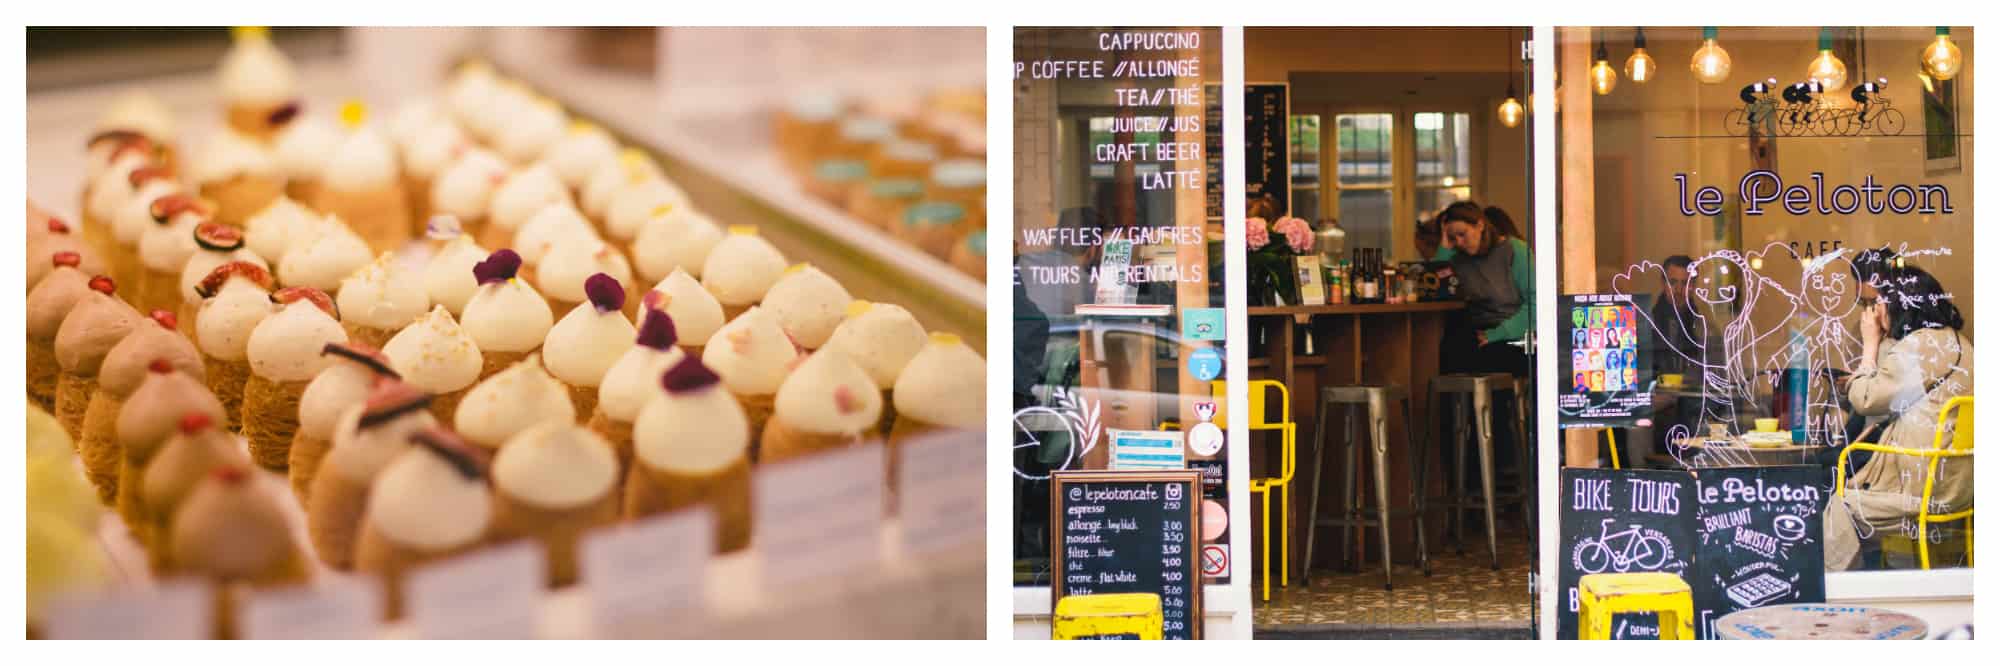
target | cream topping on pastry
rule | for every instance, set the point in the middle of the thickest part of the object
(434, 148)
(808, 303)
(187, 457)
(226, 320)
(529, 132)
(635, 377)
(742, 267)
(697, 315)
(944, 385)
(227, 155)
(681, 239)
(255, 73)
(305, 145)
(435, 354)
(423, 500)
(165, 248)
(52, 252)
(607, 178)
(150, 344)
(751, 353)
(829, 394)
(359, 453)
(465, 188)
(632, 206)
(272, 232)
(327, 255)
(380, 295)
(206, 261)
(572, 260)
(556, 466)
(470, 91)
(51, 301)
(286, 346)
(448, 277)
(412, 118)
(526, 192)
(155, 410)
(97, 323)
(554, 221)
(505, 313)
(142, 112)
(693, 427)
(581, 148)
(112, 186)
(329, 393)
(135, 217)
(364, 161)
(583, 346)
(880, 337)
(513, 400)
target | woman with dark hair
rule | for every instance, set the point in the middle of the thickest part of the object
(1504, 222)
(1914, 359)
(1496, 277)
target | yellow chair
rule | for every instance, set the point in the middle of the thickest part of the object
(1101, 616)
(1959, 447)
(1602, 597)
(1287, 467)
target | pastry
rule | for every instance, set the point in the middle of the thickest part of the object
(525, 192)
(632, 206)
(106, 191)
(235, 298)
(969, 255)
(97, 321)
(632, 381)
(150, 415)
(676, 239)
(469, 95)
(805, 128)
(529, 131)
(553, 483)
(691, 446)
(425, 155)
(59, 245)
(436, 355)
(933, 226)
(429, 504)
(571, 262)
(412, 118)
(284, 351)
(363, 185)
(516, 399)
(881, 201)
(553, 222)
(881, 338)
(365, 438)
(753, 355)
(196, 449)
(740, 269)
(232, 532)
(506, 318)
(152, 347)
(131, 219)
(448, 278)
(238, 174)
(582, 147)
(607, 178)
(826, 403)
(216, 244)
(582, 347)
(697, 315)
(48, 304)
(302, 151)
(259, 89)
(464, 190)
(323, 256)
(347, 381)
(135, 114)
(943, 388)
(164, 249)
(271, 233)
(377, 301)
(808, 304)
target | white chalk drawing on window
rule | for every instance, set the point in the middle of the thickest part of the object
(1060, 435)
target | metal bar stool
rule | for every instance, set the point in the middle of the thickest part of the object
(1371, 400)
(1475, 406)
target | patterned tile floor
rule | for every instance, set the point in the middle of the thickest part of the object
(1461, 590)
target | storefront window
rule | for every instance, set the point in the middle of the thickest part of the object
(1767, 275)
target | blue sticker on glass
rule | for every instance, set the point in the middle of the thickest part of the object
(1201, 323)
(1205, 364)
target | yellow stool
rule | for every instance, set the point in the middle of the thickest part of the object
(1287, 467)
(1603, 596)
(1108, 616)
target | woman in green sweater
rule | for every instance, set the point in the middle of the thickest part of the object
(1496, 277)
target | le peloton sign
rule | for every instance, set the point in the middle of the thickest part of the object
(1763, 189)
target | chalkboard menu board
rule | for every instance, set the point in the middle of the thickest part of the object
(1621, 521)
(1131, 532)
(1760, 540)
(1267, 152)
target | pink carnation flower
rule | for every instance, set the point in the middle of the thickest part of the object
(1257, 232)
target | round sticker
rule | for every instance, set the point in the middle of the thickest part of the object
(1214, 520)
(1205, 364)
(1205, 439)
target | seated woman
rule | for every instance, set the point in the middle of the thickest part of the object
(1906, 382)
(1496, 277)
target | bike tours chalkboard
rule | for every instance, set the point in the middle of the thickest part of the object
(1120, 532)
(1760, 540)
(1621, 521)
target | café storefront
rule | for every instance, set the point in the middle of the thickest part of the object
(1764, 378)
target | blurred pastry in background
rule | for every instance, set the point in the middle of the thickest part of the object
(523, 193)
(448, 279)
(591, 337)
(464, 190)
(691, 446)
(881, 338)
(232, 532)
(259, 88)
(881, 201)
(676, 238)
(506, 317)
(366, 438)
(469, 95)
(58, 245)
(828, 402)
(582, 147)
(96, 323)
(942, 389)
(363, 184)
(197, 448)
(110, 182)
(533, 125)
(302, 151)
(515, 399)
(63, 556)
(741, 269)
(151, 415)
(323, 256)
(430, 503)
(434, 354)
(164, 250)
(271, 233)
(136, 113)
(426, 153)
(808, 304)
(235, 298)
(152, 347)
(697, 315)
(553, 483)
(969, 255)
(554, 222)
(805, 127)
(237, 173)
(633, 380)
(636, 204)
(380, 300)
(131, 220)
(607, 179)
(284, 353)
(348, 380)
(48, 304)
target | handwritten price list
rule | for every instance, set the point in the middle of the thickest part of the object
(1135, 536)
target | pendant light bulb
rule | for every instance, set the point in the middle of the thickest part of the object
(1711, 62)
(1511, 110)
(1827, 68)
(1639, 67)
(1941, 58)
(1603, 78)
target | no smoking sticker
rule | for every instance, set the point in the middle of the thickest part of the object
(1214, 560)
